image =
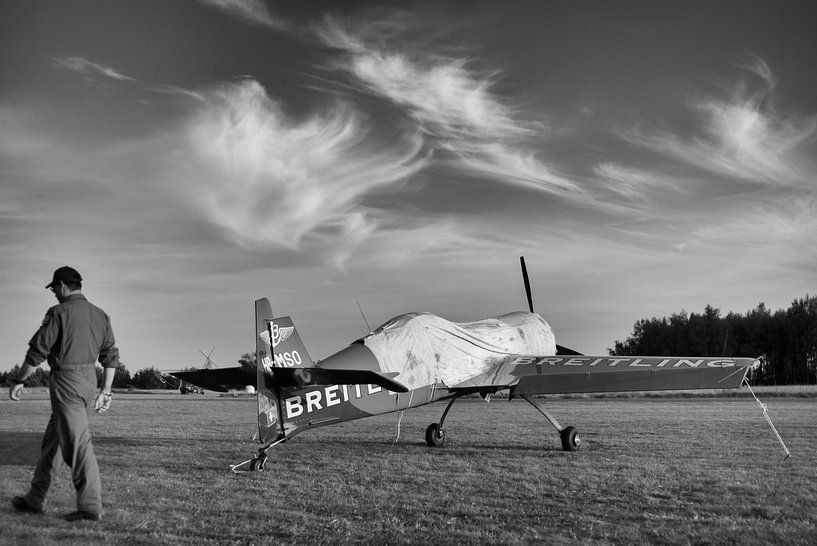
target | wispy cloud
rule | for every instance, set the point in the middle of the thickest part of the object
(628, 182)
(175, 90)
(640, 187)
(744, 135)
(236, 172)
(273, 180)
(89, 69)
(452, 103)
(743, 176)
(252, 11)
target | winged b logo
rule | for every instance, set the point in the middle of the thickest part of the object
(278, 334)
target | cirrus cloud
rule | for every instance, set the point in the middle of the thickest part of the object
(744, 135)
(450, 102)
(252, 11)
(89, 69)
(271, 180)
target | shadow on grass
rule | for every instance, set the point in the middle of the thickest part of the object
(137, 441)
(456, 447)
(20, 447)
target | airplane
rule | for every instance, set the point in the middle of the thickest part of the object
(415, 359)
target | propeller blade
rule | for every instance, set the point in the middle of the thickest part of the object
(527, 283)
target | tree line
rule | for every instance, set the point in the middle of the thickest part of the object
(146, 378)
(785, 341)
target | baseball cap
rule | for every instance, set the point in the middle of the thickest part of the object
(65, 274)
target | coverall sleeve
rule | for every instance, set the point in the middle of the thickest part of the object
(46, 337)
(108, 352)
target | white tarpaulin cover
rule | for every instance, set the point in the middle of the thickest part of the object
(426, 349)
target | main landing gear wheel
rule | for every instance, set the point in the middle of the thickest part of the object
(435, 435)
(570, 439)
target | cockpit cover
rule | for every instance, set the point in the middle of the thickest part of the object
(426, 349)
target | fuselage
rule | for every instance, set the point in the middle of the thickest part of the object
(421, 351)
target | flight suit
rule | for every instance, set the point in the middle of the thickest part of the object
(73, 336)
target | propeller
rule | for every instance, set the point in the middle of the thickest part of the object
(527, 283)
(560, 350)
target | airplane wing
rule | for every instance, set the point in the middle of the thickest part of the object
(584, 374)
(218, 379)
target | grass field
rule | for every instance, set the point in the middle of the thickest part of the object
(650, 470)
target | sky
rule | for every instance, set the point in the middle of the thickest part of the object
(189, 157)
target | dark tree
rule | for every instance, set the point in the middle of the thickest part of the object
(148, 378)
(121, 379)
(38, 379)
(247, 362)
(784, 341)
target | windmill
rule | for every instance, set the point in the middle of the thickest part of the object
(209, 364)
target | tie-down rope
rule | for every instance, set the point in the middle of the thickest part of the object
(768, 419)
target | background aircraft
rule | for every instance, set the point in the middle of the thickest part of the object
(419, 358)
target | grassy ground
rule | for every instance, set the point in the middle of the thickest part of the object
(650, 470)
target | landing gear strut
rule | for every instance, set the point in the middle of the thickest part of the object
(569, 435)
(435, 433)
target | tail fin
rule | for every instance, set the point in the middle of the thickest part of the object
(277, 345)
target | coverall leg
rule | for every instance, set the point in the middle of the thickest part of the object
(72, 393)
(44, 471)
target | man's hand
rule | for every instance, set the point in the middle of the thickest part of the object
(15, 390)
(102, 402)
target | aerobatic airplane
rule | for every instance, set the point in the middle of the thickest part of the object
(418, 358)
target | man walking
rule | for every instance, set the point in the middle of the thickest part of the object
(73, 335)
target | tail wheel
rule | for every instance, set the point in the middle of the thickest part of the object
(257, 464)
(435, 435)
(570, 439)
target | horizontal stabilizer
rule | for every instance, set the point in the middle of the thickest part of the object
(219, 379)
(305, 377)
